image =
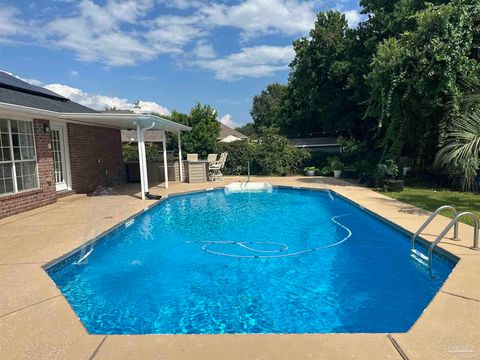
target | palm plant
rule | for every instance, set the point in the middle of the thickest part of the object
(460, 154)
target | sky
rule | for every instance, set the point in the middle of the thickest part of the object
(167, 54)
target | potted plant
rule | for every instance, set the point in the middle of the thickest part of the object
(335, 165)
(310, 171)
(389, 171)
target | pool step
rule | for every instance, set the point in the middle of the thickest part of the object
(420, 257)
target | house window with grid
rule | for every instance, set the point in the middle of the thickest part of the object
(18, 160)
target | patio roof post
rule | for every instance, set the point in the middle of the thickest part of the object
(141, 159)
(180, 161)
(164, 141)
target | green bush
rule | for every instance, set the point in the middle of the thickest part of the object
(130, 153)
(272, 155)
(276, 156)
(388, 169)
(239, 154)
(334, 163)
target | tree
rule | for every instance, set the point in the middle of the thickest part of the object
(319, 97)
(460, 154)
(267, 106)
(203, 137)
(247, 129)
(416, 73)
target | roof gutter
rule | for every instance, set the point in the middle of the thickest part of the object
(89, 118)
(26, 110)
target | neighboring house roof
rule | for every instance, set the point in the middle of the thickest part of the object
(226, 131)
(314, 142)
(17, 92)
(226, 134)
(154, 136)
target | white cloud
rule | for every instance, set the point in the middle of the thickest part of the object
(169, 34)
(95, 34)
(256, 61)
(227, 120)
(99, 102)
(262, 17)
(128, 32)
(73, 72)
(204, 50)
(353, 17)
(10, 25)
(182, 4)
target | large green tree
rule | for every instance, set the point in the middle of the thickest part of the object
(267, 106)
(203, 137)
(319, 98)
(416, 73)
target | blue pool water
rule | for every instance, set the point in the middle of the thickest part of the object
(211, 263)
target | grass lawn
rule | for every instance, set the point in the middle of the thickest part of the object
(431, 199)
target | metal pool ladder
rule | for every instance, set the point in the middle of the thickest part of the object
(454, 222)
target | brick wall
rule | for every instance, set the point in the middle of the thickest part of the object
(46, 194)
(95, 157)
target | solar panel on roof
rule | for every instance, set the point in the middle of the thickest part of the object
(7, 80)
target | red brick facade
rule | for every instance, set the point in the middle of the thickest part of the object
(95, 159)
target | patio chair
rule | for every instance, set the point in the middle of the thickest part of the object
(214, 168)
(192, 157)
(211, 158)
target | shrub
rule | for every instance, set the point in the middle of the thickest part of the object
(130, 153)
(239, 154)
(272, 155)
(389, 169)
(334, 163)
(276, 156)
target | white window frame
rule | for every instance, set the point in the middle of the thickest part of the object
(13, 162)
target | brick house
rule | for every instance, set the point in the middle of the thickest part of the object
(51, 146)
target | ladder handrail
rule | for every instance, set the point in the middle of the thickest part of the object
(448, 227)
(429, 220)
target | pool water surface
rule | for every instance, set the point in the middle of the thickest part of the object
(288, 261)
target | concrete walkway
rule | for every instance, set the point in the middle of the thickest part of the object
(36, 322)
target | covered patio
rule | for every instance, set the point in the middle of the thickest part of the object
(141, 123)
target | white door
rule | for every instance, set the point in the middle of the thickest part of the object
(59, 149)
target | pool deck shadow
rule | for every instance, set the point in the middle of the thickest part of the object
(36, 322)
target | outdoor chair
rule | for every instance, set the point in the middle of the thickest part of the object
(214, 168)
(192, 157)
(211, 158)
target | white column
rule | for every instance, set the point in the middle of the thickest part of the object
(145, 171)
(164, 141)
(180, 161)
(141, 147)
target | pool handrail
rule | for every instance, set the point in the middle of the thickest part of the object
(449, 226)
(430, 219)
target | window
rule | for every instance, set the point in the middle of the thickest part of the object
(18, 160)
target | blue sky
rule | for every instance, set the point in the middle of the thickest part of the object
(167, 54)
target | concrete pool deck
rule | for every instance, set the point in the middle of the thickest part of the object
(36, 321)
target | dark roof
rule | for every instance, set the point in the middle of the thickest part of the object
(227, 131)
(18, 92)
(314, 142)
(15, 83)
(150, 136)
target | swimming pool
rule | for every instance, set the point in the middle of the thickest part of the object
(288, 261)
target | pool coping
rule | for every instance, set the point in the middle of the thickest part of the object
(427, 336)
